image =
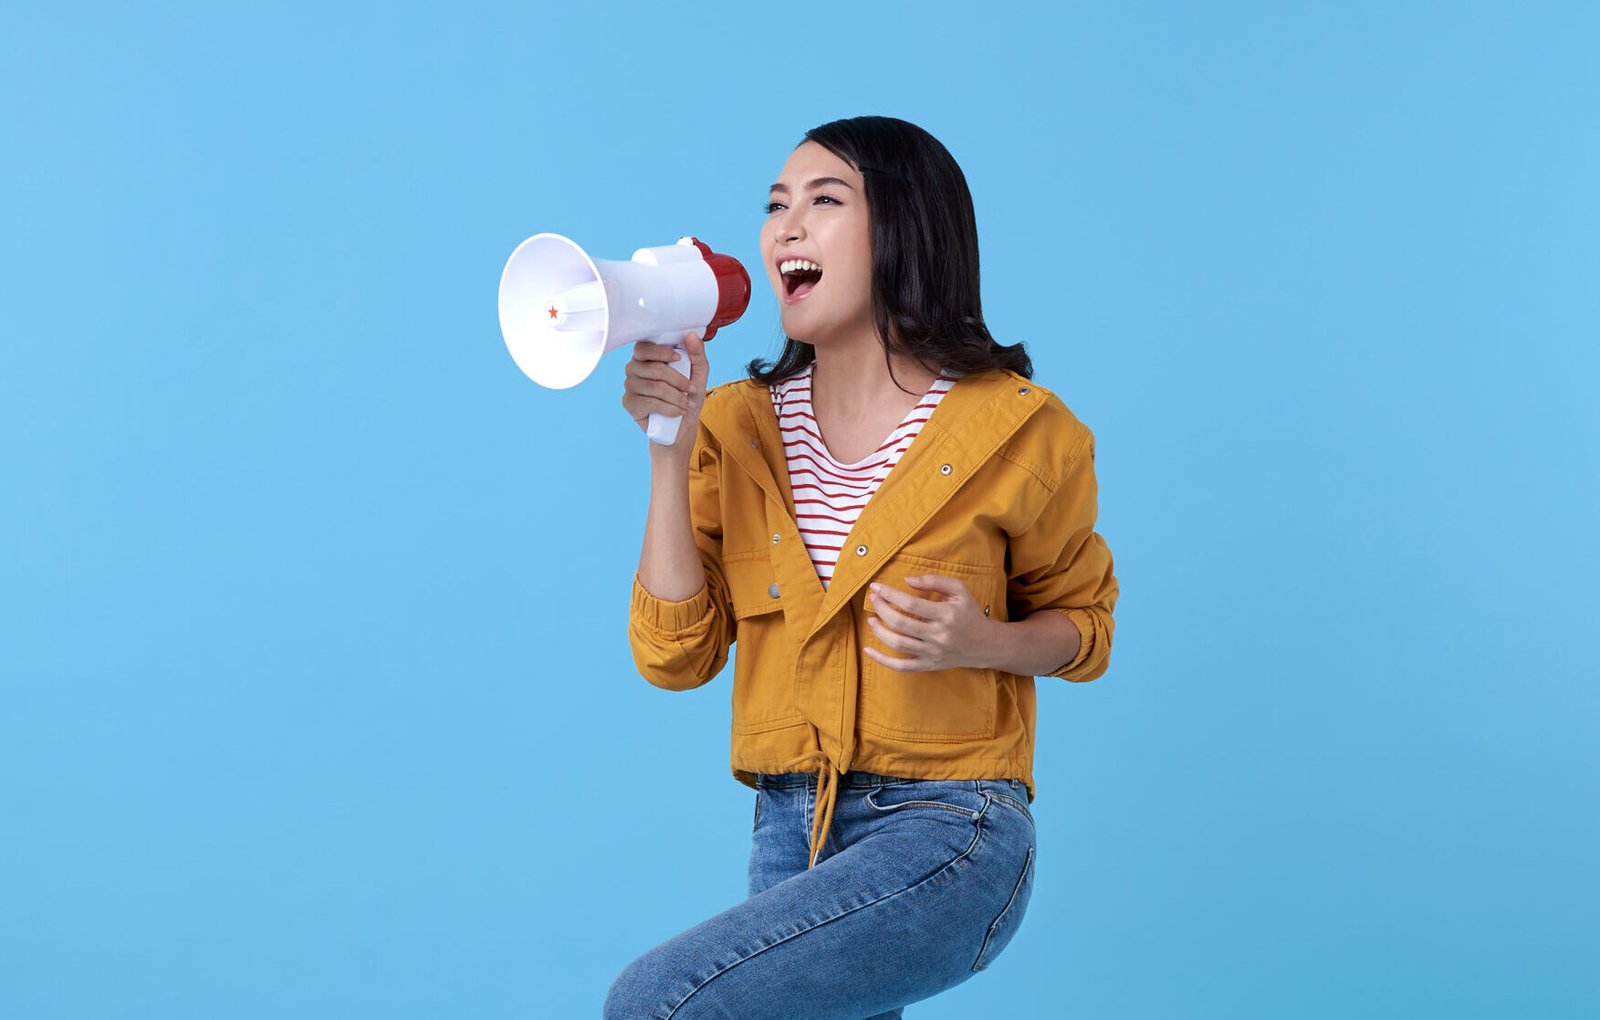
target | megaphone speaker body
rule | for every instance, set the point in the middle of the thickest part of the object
(561, 310)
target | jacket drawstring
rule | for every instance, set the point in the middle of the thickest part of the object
(827, 794)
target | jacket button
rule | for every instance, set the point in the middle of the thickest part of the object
(757, 442)
(985, 610)
(944, 469)
(774, 538)
(772, 589)
(861, 550)
(1023, 392)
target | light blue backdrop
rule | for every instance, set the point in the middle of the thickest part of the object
(317, 700)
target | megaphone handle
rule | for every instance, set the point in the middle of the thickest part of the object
(664, 430)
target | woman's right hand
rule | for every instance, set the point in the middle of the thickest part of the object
(653, 386)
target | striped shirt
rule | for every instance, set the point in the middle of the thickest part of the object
(828, 495)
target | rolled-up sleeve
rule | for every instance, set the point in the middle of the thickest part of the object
(682, 645)
(1061, 564)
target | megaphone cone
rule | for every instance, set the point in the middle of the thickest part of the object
(561, 310)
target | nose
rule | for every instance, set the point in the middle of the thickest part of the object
(789, 226)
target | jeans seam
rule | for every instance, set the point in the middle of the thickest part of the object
(988, 937)
(960, 858)
(810, 797)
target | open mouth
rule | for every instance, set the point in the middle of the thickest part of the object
(800, 277)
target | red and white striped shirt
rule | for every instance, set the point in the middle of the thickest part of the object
(828, 495)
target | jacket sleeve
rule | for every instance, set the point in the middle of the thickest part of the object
(682, 645)
(1061, 564)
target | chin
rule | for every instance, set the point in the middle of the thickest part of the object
(796, 326)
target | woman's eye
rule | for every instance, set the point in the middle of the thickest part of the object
(772, 207)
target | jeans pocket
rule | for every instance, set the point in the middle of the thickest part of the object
(1016, 803)
(956, 796)
(1010, 919)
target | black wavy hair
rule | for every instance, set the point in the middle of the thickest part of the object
(925, 299)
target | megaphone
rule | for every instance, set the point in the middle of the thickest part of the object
(561, 311)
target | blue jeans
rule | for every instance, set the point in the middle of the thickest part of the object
(921, 884)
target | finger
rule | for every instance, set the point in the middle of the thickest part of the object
(699, 365)
(666, 389)
(901, 665)
(660, 389)
(902, 622)
(641, 409)
(655, 398)
(897, 642)
(660, 370)
(939, 583)
(913, 605)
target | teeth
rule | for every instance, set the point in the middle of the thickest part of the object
(796, 265)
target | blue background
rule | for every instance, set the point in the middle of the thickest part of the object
(317, 700)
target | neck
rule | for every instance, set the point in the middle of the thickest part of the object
(854, 382)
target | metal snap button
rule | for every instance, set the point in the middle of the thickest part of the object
(772, 589)
(985, 610)
(774, 538)
(944, 469)
(861, 550)
(1023, 392)
(755, 442)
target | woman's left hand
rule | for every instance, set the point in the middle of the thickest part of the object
(945, 631)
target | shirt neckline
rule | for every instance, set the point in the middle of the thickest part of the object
(822, 444)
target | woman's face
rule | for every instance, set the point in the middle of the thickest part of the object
(817, 212)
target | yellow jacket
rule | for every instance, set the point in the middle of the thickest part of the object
(998, 490)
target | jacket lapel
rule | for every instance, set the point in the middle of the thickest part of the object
(977, 416)
(750, 417)
(761, 457)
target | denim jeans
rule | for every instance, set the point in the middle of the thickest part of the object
(920, 885)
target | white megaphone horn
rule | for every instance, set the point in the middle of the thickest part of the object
(561, 311)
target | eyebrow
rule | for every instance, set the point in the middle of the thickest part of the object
(819, 182)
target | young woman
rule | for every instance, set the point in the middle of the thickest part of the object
(898, 529)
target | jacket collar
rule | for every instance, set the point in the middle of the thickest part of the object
(979, 414)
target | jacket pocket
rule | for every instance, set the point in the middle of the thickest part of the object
(938, 705)
(763, 652)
